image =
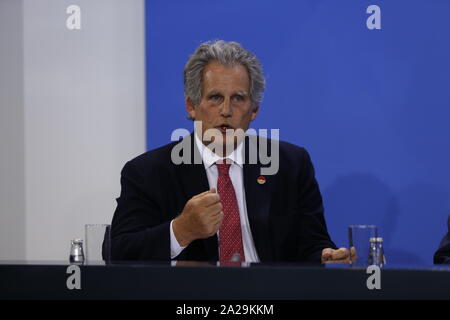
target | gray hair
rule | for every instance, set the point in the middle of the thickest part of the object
(226, 53)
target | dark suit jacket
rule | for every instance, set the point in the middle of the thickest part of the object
(442, 255)
(285, 214)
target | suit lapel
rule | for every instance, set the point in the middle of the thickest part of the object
(192, 175)
(257, 197)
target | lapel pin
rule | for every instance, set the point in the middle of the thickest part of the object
(261, 180)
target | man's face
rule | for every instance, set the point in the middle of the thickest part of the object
(225, 102)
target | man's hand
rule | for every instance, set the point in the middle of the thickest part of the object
(201, 218)
(341, 255)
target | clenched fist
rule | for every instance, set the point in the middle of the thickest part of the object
(201, 218)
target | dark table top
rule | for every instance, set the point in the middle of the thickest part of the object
(206, 281)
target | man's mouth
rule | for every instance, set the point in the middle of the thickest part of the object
(224, 127)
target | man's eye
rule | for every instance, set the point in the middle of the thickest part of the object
(215, 97)
(238, 98)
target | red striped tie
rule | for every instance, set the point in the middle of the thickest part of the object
(230, 243)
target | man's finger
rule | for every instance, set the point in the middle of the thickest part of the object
(338, 261)
(217, 219)
(213, 209)
(326, 254)
(341, 253)
(212, 190)
(209, 199)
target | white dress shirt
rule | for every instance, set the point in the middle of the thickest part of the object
(236, 175)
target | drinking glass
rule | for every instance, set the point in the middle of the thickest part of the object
(359, 243)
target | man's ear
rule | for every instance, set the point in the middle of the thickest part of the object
(255, 112)
(190, 108)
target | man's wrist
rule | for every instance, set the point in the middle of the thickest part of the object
(180, 232)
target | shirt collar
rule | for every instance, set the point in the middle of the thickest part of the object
(209, 158)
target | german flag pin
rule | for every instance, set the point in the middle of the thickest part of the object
(261, 180)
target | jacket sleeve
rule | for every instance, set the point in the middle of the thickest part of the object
(313, 234)
(139, 230)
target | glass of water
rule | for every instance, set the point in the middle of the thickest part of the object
(359, 243)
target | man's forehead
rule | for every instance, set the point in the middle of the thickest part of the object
(213, 90)
(214, 67)
(215, 75)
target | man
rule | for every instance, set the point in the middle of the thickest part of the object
(222, 209)
(442, 255)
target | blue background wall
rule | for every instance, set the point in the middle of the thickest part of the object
(371, 106)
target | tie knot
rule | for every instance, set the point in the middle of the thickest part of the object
(223, 168)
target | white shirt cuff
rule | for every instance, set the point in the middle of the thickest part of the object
(175, 248)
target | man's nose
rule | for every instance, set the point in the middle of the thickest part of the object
(226, 108)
